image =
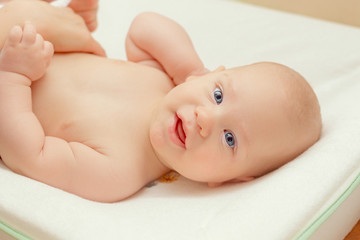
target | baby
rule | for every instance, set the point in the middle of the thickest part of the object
(103, 128)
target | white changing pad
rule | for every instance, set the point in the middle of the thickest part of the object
(290, 203)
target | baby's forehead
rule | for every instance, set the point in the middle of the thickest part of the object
(256, 78)
(241, 79)
(256, 95)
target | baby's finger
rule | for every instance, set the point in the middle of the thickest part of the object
(48, 51)
(39, 40)
(29, 35)
(15, 35)
(48, 48)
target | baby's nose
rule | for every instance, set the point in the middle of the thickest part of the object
(204, 120)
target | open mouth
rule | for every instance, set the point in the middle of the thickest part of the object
(176, 132)
(180, 130)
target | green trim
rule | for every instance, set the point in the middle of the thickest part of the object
(305, 234)
(12, 232)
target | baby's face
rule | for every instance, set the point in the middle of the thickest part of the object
(222, 126)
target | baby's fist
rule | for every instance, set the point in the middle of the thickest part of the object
(25, 52)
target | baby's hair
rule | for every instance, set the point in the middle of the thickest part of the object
(302, 109)
(303, 105)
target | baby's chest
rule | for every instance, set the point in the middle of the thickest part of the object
(118, 124)
(106, 99)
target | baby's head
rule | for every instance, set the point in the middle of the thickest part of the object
(236, 124)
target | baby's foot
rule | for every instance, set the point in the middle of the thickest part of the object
(25, 52)
(87, 9)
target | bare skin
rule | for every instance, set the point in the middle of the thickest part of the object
(103, 128)
(57, 136)
(61, 126)
(73, 36)
(87, 9)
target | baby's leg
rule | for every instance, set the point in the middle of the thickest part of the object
(25, 52)
(87, 9)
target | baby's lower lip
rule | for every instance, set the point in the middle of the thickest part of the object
(173, 134)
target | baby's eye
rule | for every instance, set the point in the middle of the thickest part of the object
(229, 138)
(218, 95)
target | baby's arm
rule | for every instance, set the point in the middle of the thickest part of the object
(61, 26)
(24, 148)
(160, 42)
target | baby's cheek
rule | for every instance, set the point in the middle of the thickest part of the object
(206, 159)
(157, 138)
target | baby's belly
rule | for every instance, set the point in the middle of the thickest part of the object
(83, 96)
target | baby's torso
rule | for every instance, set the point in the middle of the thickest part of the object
(105, 104)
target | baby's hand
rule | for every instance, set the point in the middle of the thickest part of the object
(25, 52)
(195, 73)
